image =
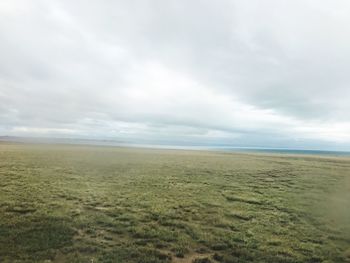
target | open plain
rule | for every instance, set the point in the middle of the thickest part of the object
(64, 203)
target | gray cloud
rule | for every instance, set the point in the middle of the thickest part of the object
(229, 72)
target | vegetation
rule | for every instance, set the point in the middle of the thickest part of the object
(107, 204)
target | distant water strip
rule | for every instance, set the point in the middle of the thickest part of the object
(284, 151)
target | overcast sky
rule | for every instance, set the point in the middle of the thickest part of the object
(273, 73)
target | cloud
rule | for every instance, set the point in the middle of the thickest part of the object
(237, 73)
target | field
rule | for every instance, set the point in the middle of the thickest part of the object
(107, 204)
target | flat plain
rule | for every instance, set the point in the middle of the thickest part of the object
(65, 203)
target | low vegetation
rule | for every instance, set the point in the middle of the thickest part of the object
(108, 204)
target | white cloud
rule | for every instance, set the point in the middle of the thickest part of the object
(233, 72)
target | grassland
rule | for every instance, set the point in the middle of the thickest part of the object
(108, 204)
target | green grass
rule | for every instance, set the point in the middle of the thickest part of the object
(108, 204)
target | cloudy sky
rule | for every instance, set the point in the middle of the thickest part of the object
(272, 73)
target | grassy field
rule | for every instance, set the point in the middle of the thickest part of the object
(108, 204)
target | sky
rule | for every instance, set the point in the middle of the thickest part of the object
(272, 73)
